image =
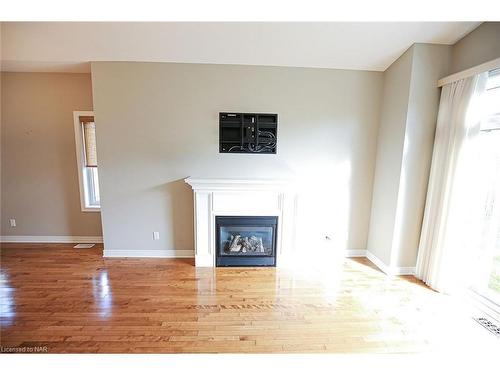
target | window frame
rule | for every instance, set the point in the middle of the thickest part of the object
(493, 119)
(80, 161)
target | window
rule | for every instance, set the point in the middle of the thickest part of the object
(487, 271)
(86, 157)
(491, 102)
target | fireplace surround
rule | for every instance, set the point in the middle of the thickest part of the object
(256, 198)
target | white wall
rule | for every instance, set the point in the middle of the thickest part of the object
(157, 123)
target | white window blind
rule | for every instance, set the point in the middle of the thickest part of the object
(90, 143)
(86, 155)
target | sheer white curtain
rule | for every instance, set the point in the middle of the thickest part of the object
(447, 230)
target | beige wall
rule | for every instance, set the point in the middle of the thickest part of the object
(479, 46)
(430, 62)
(39, 174)
(158, 123)
(389, 155)
(404, 150)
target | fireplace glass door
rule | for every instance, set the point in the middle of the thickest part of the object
(246, 240)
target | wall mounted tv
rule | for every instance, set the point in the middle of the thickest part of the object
(248, 133)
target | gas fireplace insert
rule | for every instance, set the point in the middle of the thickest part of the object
(246, 240)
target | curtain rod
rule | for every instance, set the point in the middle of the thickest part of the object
(487, 66)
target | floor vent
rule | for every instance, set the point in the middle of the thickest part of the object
(489, 325)
(84, 246)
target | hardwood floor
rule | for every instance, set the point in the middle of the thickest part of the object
(58, 299)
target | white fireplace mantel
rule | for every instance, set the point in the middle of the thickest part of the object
(231, 197)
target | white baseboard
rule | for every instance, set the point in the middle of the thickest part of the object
(355, 253)
(119, 253)
(375, 260)
(52, 239)
(405, 271)
(388, 270)
(145, 253)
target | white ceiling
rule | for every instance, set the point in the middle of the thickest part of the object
(68, 47)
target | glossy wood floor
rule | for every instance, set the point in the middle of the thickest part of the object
(62, 299)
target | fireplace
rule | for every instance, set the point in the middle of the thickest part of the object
(246, 240)
(216, 199)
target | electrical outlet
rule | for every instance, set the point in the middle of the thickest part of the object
(156, 235)
(12, 222)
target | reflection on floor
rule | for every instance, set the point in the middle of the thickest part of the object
(70, 300)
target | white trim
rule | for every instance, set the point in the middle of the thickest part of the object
(487, 66)
(404, 271)
(388, 270)
(80, 158)
(220, 184)
(52, 239)
(143, 253)
(355, 253)
(376, 261)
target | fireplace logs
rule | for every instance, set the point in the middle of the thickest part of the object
(245, 244)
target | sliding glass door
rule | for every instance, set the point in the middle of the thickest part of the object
(485, 267)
